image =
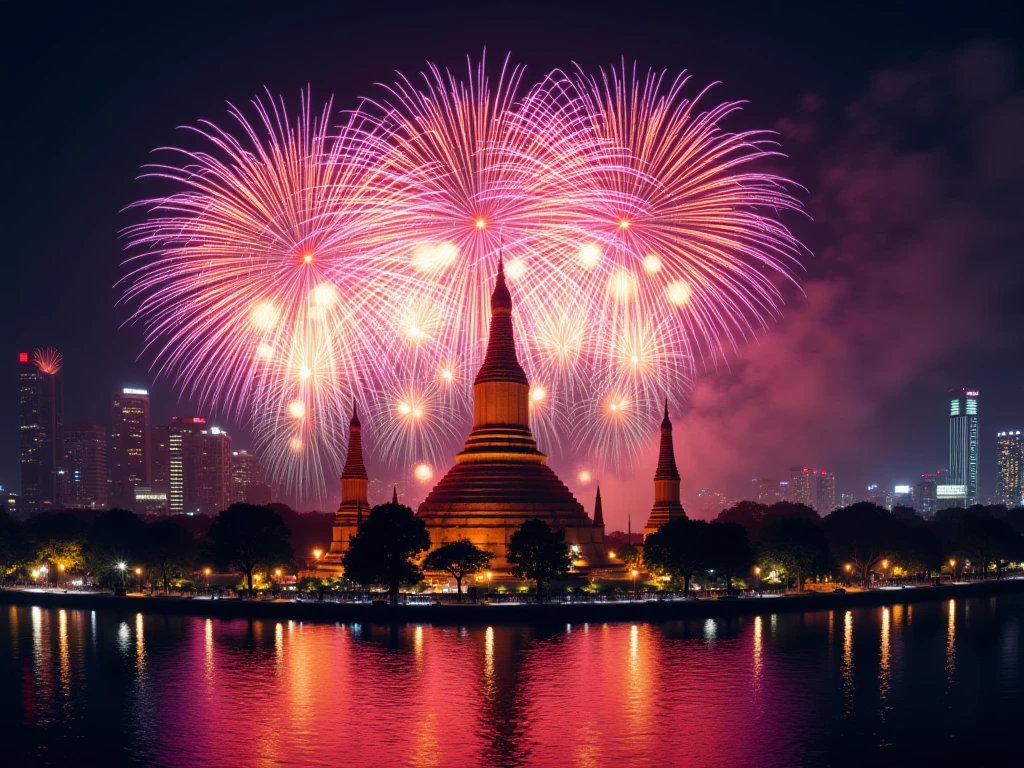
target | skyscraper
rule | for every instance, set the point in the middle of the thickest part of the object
(245, 473)
(41, 403)
(926, 496)
(183, 464)
(129, 445)
(771, 491)
(216, 490)
(1010, 472)
(85, 466)
(963, 442)
(815, 488)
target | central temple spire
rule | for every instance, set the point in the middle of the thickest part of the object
(501, 393)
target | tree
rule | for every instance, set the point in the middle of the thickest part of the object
(862, 535)
(390, 538)
(15, 550)
(57, 538)
(794, 546)
(919, 550)
(987, 540)
(459, 558)
(170, 550)
(538, 553)
(246, 537)
(731, 551)
(117, 536)
(680, 548)
(749, 514)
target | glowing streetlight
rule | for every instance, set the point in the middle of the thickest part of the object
(611, 555)
(634, 573)
(138, 571)
(317, 553)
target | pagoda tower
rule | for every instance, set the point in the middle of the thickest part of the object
(500, 480)
(666, 482)
(354, 505)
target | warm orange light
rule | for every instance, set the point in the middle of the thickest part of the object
(611, 555)
(277, 572)
(255, 577)
(308, 258)
(489, 574)
(952, 563)
(60, 566)
(585, 477)
(623, 224)
(635, 573)
(757, 570)
(848, 567)
(317, 553)
(206, 571)
(138, 571)
(480, 223)
(885, 564)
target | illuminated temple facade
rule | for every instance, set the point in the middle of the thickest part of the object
(667, 505)
(353, 506)
(500, 480)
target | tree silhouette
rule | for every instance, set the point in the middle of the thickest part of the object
(170, 550)
(795, 546)
(680, 548)
(919, 550)
(15, 550)
(863, 535)
(731, 551)
(117, 536)
(245, 537)
(383, 550)
(459, 558)
(538, 553)
(987, 540)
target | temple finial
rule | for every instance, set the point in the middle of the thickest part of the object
(394, 495)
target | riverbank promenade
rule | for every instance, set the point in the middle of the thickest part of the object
(575, 610)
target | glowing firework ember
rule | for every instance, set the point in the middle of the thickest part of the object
(48, 360)
(296, 265)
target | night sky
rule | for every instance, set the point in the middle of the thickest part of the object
(904, 125)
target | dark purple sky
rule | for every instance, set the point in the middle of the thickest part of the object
(904, 125)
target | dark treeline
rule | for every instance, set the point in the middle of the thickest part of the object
(116, 547)
(852, 544)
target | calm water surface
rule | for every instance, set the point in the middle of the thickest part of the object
(916, 684)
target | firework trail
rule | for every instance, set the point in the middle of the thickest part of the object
(297, 266)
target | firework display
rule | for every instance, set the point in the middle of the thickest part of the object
(297, 263)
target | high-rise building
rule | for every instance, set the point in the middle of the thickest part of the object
(825, 500)
(771, 491)
(129, 445)
(1010, 472)
(216, 489)
(41, 402)
(846, 499)
(801, 486)
(925, 494)
(963, 444)
(160, 458)
(85, 466)
(815, 488)
(245, 473)
(183, 464)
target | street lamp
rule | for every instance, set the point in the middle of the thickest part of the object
(206, 573)
(952, 569)
(757, 573)
(634, 573)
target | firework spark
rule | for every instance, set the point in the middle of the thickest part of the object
(294, 266)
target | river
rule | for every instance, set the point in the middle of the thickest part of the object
(922, 683)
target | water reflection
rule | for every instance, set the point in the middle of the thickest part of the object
(884, 665)
(847, 665)
(764, 691)
(951, 646)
